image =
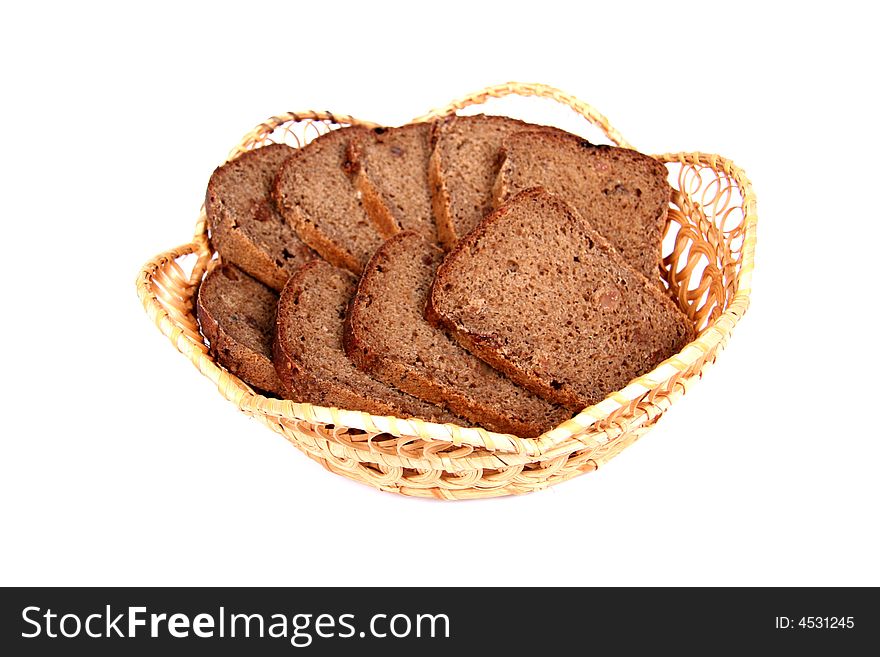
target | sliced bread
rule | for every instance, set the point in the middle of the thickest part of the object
(317, 198)
(622, 193)
(309, 357)
(390, 169)
(387, 335)
(246, 229)
(537, 292)
(463, 169)
(237, 315)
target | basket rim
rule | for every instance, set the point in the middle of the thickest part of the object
(585, 430)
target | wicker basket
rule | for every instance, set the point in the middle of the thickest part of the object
(709, 249)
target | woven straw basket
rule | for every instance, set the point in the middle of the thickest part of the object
(708, 249)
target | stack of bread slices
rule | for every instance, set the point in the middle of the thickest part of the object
(476, 270)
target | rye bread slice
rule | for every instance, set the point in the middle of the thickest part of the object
(535, 291)
(463, 168)
(316, 197)
(622, 193)
(246, 229)
(390, 169)
(237, 315)
(309, 357)
(387, 335)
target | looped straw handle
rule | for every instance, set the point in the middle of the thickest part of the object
(532, 89)
(259, 134)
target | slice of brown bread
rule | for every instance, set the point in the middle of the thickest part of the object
(537, 292)
(390, 169)
(463, 169)
(387, 335)
(317, 198)
(622, 193)
(237, 315)
(309, 357)
(246, 229)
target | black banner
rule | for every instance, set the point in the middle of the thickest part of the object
(319, 621)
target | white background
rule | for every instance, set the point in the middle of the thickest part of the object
(122, 465)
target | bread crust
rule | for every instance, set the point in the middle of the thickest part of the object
(448, 229)
(389, 167)
(316, 239)
(379, 213)
(440, 202)
(329, 248)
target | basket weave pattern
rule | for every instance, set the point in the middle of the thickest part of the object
(709, 250)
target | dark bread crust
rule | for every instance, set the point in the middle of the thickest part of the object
(408, 353)
(440, 202)
(309, 356)
(252, 363)
(621, 192)
(595, 290)
(457, 141)
(386, 223)
(315, 195)
(389, 167)
(246, 229)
